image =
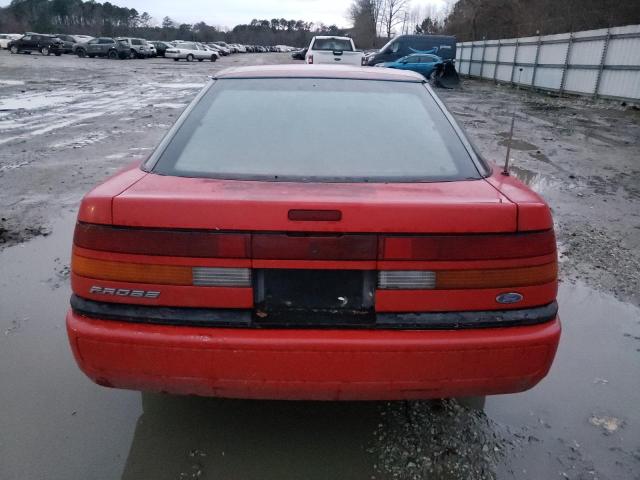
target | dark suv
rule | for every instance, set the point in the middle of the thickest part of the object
(102, 47)
(68, 42)
(35, 42)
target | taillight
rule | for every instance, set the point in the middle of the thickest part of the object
(310, 59)
(467, 279)
(406, 280)
(174, 243)
(468, 247)
(314, 247)
(221, 277)
(160, 274)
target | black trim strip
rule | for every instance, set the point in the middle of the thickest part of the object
(244, 318)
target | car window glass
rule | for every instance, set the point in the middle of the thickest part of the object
(331, 44)
(26, 37)
(105, 41)
(207, 144)
(136, 42)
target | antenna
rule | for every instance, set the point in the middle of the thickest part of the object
(510, 139)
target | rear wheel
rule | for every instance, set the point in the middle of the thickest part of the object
(112, 55)
(14, 49)
(45, 51)
(213, 58)
(92, 56)
(190, 58)
(81, 52)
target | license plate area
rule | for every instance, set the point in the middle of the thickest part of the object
(290, 297)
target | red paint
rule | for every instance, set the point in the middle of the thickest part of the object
(461, 300)
(533, 212)
(313, 364)
(159, 201)
(172, 295)
(482, 224)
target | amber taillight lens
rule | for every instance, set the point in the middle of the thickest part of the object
(131, 272)
(497, 278)
(467, 279)
(160, 274)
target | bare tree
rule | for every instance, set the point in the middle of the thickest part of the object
(393, 14)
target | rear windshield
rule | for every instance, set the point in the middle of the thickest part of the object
(332, 44)
(317, 130)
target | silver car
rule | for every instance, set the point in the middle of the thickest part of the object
(191, 51)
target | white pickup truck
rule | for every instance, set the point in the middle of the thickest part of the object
(335, 50)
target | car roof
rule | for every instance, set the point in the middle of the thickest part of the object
(320, 71)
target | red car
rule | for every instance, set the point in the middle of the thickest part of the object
(353, 246)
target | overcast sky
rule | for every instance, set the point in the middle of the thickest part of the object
(232, 12)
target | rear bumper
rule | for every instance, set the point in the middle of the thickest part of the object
(312, 364)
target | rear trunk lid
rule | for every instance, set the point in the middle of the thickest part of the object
(471, 206)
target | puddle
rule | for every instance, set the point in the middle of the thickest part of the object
(516, 144)
(10, 83)
(169, 105)
(179, 86)
(82, 141)
(34, 101)
(540, 183)
(582, 421)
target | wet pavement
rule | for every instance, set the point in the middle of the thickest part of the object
(583, 158)
(581, 422)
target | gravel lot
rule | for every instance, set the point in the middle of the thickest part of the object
(66, 123)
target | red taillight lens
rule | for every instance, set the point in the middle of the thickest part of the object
(468, 247)
(175, 243)
(310, 59)
(314, 247)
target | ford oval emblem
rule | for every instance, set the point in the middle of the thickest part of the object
(511, 297)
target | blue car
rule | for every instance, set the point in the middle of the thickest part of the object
(422, 63)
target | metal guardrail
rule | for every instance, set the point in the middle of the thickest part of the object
(609, 68)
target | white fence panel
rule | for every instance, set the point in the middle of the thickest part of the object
(597, 63)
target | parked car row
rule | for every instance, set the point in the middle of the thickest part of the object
(5, 38)
(127, 47)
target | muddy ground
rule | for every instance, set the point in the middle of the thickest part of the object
(66, 123)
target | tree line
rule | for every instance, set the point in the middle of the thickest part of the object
(105, 19)
(495, 19)
(376, 21)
